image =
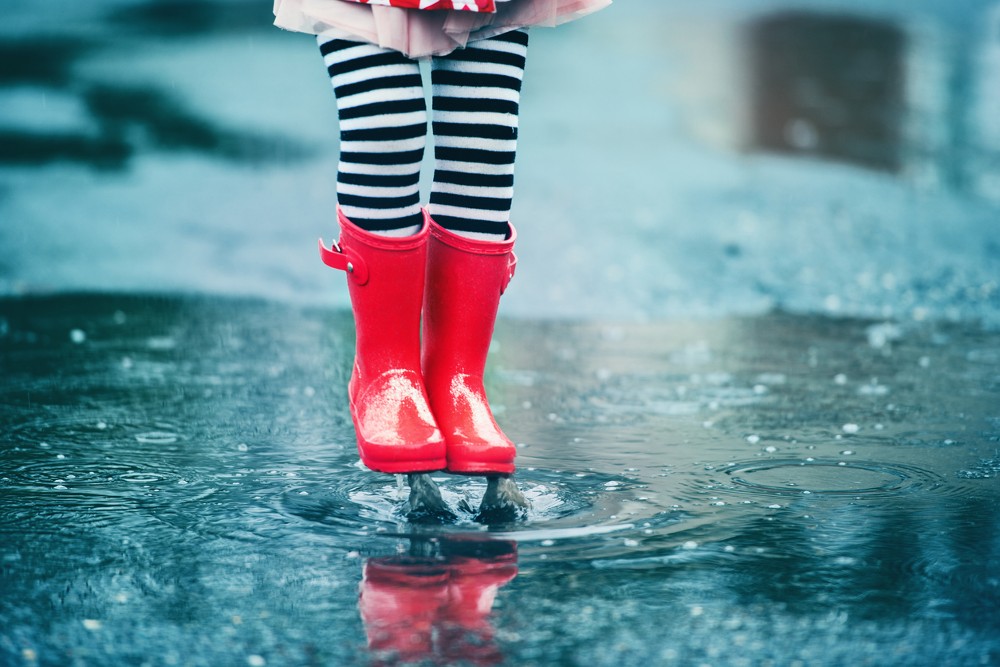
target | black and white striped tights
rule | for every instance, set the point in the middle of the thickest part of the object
(383, 131)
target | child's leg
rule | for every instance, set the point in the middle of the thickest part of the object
(477, 91)
(383, 129)
(469, 255)
(383, 122)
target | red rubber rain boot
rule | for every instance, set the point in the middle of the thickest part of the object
(465, 278)
(400, 604)
(395, 427)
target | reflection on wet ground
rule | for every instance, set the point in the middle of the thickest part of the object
(178, 482)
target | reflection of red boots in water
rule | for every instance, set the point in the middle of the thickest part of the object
(436, 608)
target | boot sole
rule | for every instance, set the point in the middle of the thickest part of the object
(397, 467)
(481, 468)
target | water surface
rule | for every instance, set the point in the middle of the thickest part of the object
(179, 485)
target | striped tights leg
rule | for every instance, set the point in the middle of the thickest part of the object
(383, 131)
(476, 95)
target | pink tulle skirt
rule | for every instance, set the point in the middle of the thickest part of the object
(419, 33)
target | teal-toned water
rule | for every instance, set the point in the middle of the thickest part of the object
(751, 356)
(179, 485)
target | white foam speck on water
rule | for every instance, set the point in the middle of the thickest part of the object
(161, 343)
(850, 428)
(880, 335)
(78, 336)
(753, 439)
(873, 389)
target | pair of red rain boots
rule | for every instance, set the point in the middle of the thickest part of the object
(424, 408)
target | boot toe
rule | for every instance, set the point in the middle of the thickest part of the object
(395, 429)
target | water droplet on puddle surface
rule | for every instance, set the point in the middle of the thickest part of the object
(157, 438)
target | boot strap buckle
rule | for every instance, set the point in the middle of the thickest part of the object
(511, 267)
(337, 258)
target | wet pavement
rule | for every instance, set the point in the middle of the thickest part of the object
(751, 356)
(179, 485)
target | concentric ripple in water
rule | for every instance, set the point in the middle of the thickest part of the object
(789, 477)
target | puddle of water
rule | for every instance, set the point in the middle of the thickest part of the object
(731, 491)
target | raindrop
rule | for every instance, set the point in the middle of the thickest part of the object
(157, 438)
(753, 439)
(850, 428)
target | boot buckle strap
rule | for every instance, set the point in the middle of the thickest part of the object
(511, 267)
(337, 258)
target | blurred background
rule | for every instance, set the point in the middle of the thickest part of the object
(751, 358)
(676, 159)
